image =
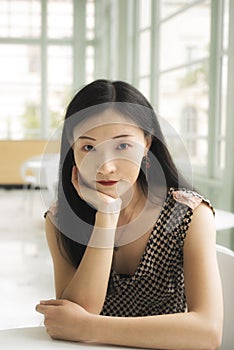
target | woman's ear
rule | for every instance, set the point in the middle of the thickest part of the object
(148, 139)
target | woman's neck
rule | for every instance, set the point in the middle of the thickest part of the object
(132, 201)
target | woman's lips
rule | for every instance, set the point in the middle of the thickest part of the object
(107, 183)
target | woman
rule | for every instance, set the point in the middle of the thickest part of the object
(133, 246)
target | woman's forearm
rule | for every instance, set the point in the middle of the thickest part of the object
(176, 331)
(88, 286)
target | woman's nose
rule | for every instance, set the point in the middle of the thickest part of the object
(107, 167)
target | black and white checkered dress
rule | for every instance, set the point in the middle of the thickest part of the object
(157, 287)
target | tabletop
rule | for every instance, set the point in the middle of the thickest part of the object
(35, 338)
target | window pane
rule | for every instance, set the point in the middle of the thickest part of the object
(184, 103)
(59, 83)
(20, 111)
(90, 19)
(144, 13)
(144, 87)
(144, 53)
(20, 74)
(180, 46)
(19, 64)
(89, 64)
(221, 154)
(224, 78)
(168, 7)
(60, 18)
(20, 18)
(60, 65)
(226, 24)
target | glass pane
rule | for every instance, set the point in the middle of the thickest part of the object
(144, 53)
(20, 111)
(224, 78)
(90, 19)
(58, 99)
(144, 13)
(20, 77)
(168, 7)
(221, 154)
(226, 25)
(199, 154)
(144, 87)
(180, 46)
(20, 64)
(60, 65)
(20, 18)
(184, 104)
(89, 64)
(60, 72)
(60, 18)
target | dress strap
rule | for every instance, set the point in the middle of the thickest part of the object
(190, 198)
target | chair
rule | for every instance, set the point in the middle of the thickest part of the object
(30, 171)
(226, 266)
(41, 172)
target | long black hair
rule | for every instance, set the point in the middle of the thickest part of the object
(75, 218)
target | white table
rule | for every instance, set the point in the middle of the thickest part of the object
(36, 338)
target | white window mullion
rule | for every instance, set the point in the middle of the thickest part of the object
(155, 45)
(79, 43)
(44, 91)
(214, 86)
(229, 174)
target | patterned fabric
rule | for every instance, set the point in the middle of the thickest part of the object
(157, 287)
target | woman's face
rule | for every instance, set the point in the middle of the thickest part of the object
(108, 151)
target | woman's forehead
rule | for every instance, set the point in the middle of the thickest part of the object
(109, 121)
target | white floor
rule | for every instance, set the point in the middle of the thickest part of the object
(25, 265)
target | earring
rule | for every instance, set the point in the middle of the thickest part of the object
(146, 161)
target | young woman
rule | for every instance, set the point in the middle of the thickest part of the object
(133, 246)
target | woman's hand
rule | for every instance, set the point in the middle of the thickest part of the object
(65, 320)
(99, 200)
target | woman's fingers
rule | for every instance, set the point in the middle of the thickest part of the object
(45, 304)
(100, 201)
(51, 302)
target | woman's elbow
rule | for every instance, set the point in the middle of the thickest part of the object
(216, 337)
(213, 337)
(91, 307)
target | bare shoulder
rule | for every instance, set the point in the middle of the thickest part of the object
(51, 230)
(202, 226)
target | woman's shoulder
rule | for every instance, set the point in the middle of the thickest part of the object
(189, 198)
(52, 211)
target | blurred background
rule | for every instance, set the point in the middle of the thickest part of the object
(179, 53)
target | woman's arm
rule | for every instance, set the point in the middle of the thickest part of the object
(86, 286)
(199, 328)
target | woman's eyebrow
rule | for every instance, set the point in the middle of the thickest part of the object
(120, 136)
(86, 137)
(115, 137)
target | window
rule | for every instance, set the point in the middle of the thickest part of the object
(20, 18)
(184, 74)
(20, 78)
(90, 45)
(41, 52)
(60, 18)
(59, 82)
(181, 58)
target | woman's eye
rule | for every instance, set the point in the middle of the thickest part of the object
(88, 148)
(123, 146)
